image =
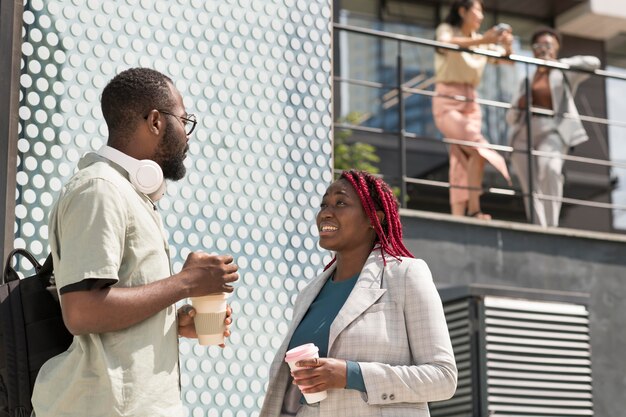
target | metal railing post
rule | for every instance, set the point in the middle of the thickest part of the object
(529, 145)
(401, 128)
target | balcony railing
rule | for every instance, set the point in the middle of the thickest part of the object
(404, 136)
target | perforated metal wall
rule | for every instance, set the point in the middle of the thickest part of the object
(257, 73)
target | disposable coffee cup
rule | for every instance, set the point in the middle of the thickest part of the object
(209, 318)
(307, 351)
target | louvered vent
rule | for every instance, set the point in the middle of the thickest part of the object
(518, 357)
(538, 358)
(458, 317)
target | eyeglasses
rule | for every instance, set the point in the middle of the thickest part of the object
(543, 45)
(189, 121)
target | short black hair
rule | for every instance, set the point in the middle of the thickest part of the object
(545, 30)
(131, 94)
(454, 17)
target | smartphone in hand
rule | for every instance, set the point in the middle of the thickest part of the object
(501, 27)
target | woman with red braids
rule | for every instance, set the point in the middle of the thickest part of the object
(374, 314)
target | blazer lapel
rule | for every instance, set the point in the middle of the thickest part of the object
(556, 88)
(367, 290)
(301, 307)
(307, 297)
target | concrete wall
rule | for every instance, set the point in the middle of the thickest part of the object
(502, 253)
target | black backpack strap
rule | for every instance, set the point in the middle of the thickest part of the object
(9, 272)
(18, 351)
(47, 266)
(45, 272)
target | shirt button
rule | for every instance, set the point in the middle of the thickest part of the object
(392, 397)
(384, 396)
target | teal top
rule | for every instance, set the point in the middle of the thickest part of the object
(315, 325)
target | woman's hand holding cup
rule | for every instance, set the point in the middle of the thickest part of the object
(320, 374)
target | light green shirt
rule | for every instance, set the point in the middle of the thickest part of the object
(102, 229)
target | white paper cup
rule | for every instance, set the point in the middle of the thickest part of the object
(209, 318)
(298, 353)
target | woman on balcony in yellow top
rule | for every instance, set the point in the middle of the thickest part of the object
(458, 74)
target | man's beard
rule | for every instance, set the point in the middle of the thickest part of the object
(171, 156)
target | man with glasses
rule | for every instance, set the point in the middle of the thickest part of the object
(189, 121)
(112, 264)
(555, 125)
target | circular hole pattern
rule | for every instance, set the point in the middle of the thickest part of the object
(257, 75)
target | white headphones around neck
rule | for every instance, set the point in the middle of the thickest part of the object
(145, 175)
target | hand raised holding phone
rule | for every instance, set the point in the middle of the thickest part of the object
(502, 33)
(503, 27)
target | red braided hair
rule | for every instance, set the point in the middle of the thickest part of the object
(376, 195)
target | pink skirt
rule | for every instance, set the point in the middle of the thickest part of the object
(462, 120)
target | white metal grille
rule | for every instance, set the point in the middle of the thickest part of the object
(538, 358)
(518, 358)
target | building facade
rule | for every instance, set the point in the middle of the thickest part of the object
(259, 74)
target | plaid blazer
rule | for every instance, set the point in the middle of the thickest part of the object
(563, 87)
(393, 325)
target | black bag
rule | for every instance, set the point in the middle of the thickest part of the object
(31, 331)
